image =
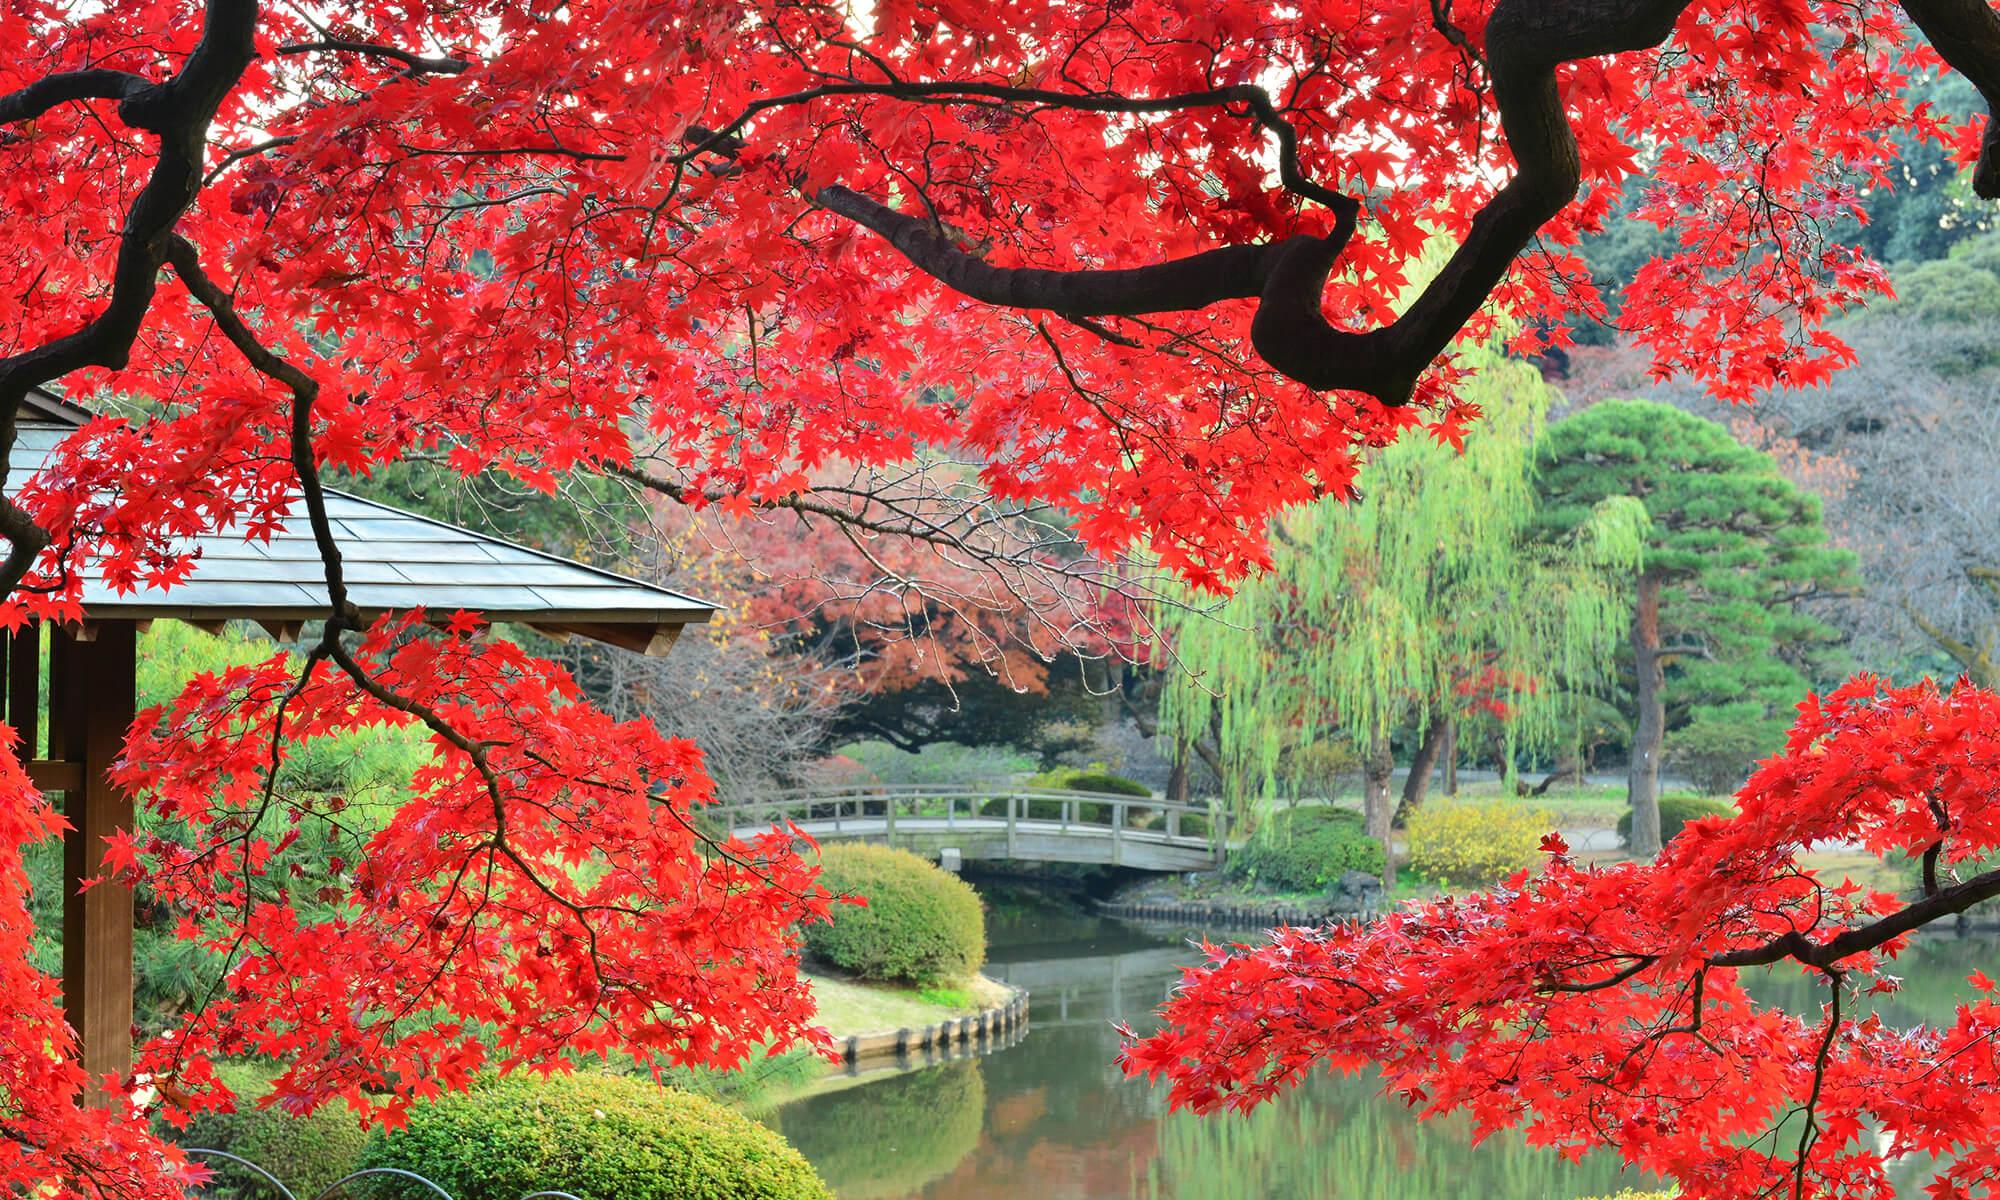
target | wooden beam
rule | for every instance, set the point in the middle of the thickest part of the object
(649, 640)
(55, 774)
(283, 631)
(91, 703)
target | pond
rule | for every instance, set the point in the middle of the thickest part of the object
(1052, 1118)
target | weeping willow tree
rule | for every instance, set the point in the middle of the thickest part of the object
(1429, 598)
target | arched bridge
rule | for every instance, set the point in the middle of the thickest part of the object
(1023, 824)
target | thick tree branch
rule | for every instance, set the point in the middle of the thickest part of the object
(95, 83)
(1861, 939)
(179, 111)
(1526, 40)
(1966, 34)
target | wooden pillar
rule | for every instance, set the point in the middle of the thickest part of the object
(90, 706)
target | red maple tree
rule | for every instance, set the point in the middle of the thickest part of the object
(1155, 263)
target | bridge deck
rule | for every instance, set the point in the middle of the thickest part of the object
(1139, 832)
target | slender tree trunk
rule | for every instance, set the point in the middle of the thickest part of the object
(1450, 754)
(1376, 814)
(1421, 766)
(1177, 779)
(1650, 728)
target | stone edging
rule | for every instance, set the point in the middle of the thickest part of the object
(1235, 916)
(1004, 1018)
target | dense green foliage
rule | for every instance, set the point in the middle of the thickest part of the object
(920, 925)
(1089, 779)
(1427, 600)
(1475, 843)
(1306, 849)
(1732, 540)
(1718, 749)
(913, 1130)
(1676, 811)
(306, 1154)
(599, 1137)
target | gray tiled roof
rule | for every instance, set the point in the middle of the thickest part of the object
(393, 560)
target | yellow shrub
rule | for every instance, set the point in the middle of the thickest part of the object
(1473, 843)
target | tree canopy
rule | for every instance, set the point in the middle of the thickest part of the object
(1731, 548)
(1143, 263)
(1411, 606)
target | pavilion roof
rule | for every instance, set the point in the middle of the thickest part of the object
(393, 560)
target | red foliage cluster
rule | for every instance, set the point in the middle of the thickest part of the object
(533, 236)
(1605, 1007)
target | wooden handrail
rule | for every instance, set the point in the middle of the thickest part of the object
(852, 803)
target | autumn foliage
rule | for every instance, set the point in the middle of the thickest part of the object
(1164, 284)
(1606, 1008)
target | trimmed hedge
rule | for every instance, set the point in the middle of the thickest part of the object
(1305, 849)
(1676, 811)
(1472, 844)
(921, 925)
(1089, 779)
(306, 1154)
(600, 1137)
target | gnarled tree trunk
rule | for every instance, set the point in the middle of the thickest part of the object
(1421, 767)
(1649, 730)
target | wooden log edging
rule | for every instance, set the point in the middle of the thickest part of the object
(1003, 1019)
(1232, 916)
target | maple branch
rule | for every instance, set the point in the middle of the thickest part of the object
(1966, 34)
(1526, 41)
(416, 64)
(92, 83)
(1861, 939)
(179, 111)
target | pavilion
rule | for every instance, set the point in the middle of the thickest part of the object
(394, 560)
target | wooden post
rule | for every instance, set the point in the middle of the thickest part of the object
(90, 707)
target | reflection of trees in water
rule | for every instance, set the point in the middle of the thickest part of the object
(892, 1137)
(1335, 1138)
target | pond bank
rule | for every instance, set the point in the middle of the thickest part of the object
(870, 1020)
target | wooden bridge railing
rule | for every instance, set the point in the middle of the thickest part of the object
(874, 809)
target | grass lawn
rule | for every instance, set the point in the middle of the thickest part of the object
(848, 1007)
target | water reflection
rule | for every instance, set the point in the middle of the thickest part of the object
(1054, 1119)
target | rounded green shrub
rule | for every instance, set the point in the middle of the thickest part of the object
(1473, 843)
(1089, 779)
(306, 1154)
(1676, 811)
(921, 924)
(600, 1137)
(1305, 849)
(894, 1137)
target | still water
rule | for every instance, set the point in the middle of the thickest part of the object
(1052, 1117)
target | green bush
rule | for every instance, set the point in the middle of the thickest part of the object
(1676, 811)
(904, 1134)
(600, 1137)
(1083, 812)
(1305, 849)
(922, 925)
(1718, 750)
(1474, 843)
(306, 1154)
(1089, 779)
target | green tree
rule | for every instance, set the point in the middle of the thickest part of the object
(1731, 546)
(1399, 610)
